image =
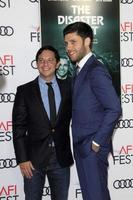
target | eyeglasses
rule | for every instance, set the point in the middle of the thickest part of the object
(48, 61)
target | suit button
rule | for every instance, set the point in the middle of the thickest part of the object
(53, 130)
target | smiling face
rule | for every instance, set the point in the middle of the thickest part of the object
(76, 46)
(47, 64)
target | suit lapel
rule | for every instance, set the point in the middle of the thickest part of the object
(81, 76)
(39, 102)
(62, 92)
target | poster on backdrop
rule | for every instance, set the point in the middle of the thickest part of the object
(101, 15)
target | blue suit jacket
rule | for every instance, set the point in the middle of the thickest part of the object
(96, 106)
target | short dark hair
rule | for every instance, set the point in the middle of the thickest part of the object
(81, 28)
(48, 47)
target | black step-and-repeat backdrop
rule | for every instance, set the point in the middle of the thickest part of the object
(21, 25)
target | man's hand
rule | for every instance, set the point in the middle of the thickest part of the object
(26, 169)
(95, 148)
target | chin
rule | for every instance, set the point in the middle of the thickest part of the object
(73, 60)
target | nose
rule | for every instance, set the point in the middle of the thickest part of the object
(45, 62)
(67, 45)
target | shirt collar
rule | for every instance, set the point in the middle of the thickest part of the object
(84, 60)
(42, 81)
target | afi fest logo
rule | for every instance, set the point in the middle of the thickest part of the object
(126, 31)
(124, 156)
(35, 35)
(127, 93)
(5, 131)
(5, 3)
(9, 192)
(6, 65)
(78, 193)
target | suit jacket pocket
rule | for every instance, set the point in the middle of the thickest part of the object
(83, 148)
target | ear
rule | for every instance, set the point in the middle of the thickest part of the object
(87, 42)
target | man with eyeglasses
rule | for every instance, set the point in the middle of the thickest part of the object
(41, 119)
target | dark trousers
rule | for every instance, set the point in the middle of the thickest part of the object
(93, 174)
(58, 178)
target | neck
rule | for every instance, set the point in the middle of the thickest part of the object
(47, 79)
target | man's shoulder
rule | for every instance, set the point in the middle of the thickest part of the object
(96, 64)
(28, 84)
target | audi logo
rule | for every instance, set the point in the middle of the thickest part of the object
(124, 123)
(7, 97)
(46, 191)
(33, 1)
(33, 64)
(127, 62)
(6, 31)
(8, 163)
(123, 183)
(127, 1)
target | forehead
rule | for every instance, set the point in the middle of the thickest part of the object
(72, 36)
(47, 53)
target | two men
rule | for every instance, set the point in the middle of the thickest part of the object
(95, 111)
(43, 149)
(41, 139)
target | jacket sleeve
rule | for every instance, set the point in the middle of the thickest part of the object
(19, 119)
(105, 93)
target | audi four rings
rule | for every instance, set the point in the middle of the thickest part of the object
(7, 97)
(127, 62)
(8, 163)
(6, 31)
(125, 123)
(123, 183)
(33, 64)
(34, 1)
(46, 191)
(126, 1)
